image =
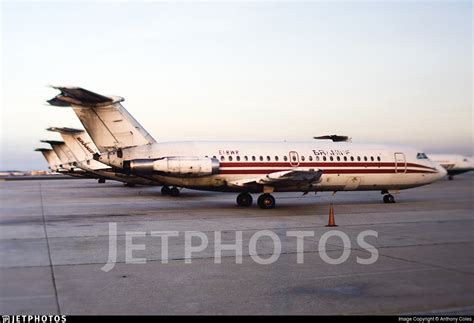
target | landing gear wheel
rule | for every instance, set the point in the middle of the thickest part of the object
(388, 198)
(266, 201)
(165, 190)
(450, 177)
(244, 199)
(174, 192)
(101, 180)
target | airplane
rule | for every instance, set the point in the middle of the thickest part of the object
(68, 164)
(454, 164)
(52, 159)
(244, 167)
(83, 149)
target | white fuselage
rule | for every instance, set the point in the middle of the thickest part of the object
(454, 164)
(345, 166)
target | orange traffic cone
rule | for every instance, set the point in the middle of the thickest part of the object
(332, 222)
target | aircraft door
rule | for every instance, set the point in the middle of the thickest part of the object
(294, 158)
(400, 163)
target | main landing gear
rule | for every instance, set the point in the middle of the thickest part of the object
(166, 190)
(265, 201)
(388, 198)
(244, 199)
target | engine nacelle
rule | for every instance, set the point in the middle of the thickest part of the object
(175, 166)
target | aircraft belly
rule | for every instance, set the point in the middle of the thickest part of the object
(331, 182)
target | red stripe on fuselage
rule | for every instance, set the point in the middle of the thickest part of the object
(326, 171)
(319, 164)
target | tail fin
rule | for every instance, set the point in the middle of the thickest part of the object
(65, 155)
(105, 119)
(78, 141)
(51, 158)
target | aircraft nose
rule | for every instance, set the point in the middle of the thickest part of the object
(441, 171)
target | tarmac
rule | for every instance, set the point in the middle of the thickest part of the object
(54, 243)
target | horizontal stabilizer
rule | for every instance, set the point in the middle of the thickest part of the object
(53, 142)
(65, 130)
(80, 96)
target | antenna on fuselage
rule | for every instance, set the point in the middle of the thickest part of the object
(334, 138)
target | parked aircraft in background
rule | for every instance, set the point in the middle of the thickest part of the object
(82, 149)
(244, 167)
(52, 159)
(454, 164)
(58, 165)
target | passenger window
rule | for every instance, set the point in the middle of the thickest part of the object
(261, 158)
(302, 158)
(285, 158)
(230, 158)
(352, 158)
(378, 158)
(214, 157)
(345, 158)
(222, 158)
(276, 158)
(331, 158)
(365, 158)
(371, 158)
(246, 158)
(324, 158)
(338, 158)
(268, 158)
(358, 158)
(238, 158)
(253, 158)
(293, 158)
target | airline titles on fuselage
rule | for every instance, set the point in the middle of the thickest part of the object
(331, 152)
(319, 152)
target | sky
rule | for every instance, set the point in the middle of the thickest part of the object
(386, 72)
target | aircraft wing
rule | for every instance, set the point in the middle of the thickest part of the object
(283, 178)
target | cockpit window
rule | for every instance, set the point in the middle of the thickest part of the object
(421, 156)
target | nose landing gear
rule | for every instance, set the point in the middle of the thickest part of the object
(388, 198)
